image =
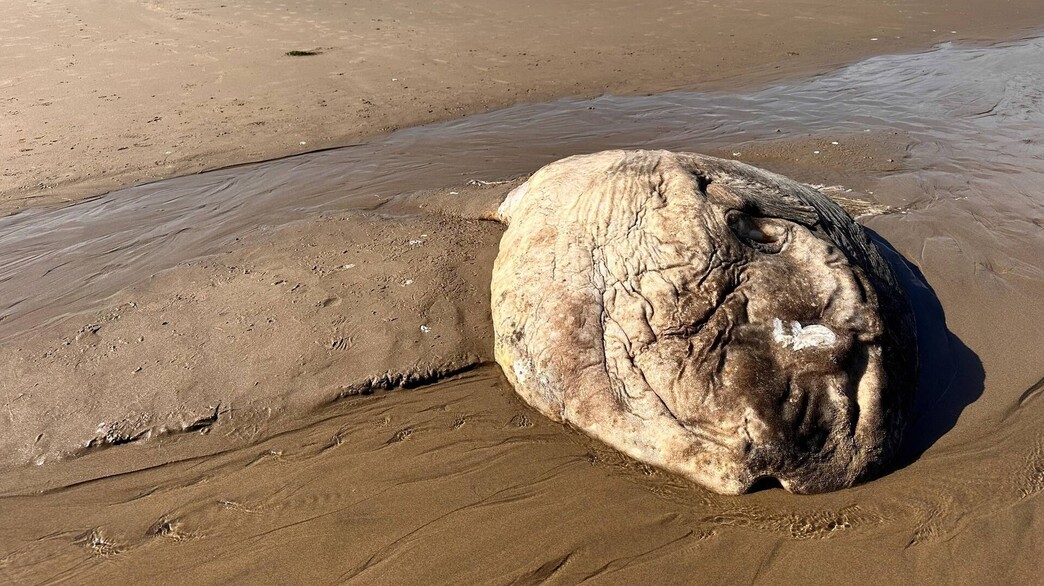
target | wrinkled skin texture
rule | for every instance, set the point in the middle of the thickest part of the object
(705, 317)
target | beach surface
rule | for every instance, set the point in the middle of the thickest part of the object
(99, 96)
(283, 372)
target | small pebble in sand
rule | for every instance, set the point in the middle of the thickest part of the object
(834, 142)
(303, 142)
(815, 152)
(348, 266)
(407, 282)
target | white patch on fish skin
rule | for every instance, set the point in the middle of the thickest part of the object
(522, 369)
(510, 202)
(801, 337)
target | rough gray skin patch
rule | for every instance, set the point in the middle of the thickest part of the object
(703, 316)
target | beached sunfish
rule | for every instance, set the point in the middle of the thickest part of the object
(705, 317)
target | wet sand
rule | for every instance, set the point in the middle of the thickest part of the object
(99, 96)
(460, 483)
(282, 372)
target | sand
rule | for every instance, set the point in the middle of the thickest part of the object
(99, 96)
(318, 403)
(326, 309)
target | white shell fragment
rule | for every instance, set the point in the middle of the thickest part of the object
(811, 336)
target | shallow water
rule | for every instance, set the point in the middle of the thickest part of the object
(546, 503)
(975, 113)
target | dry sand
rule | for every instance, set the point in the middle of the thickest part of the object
(243, 416)
(95, 96)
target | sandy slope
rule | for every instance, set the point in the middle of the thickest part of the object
(326, 309)
(96, 95)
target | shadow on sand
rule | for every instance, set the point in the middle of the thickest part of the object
(950, 375)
